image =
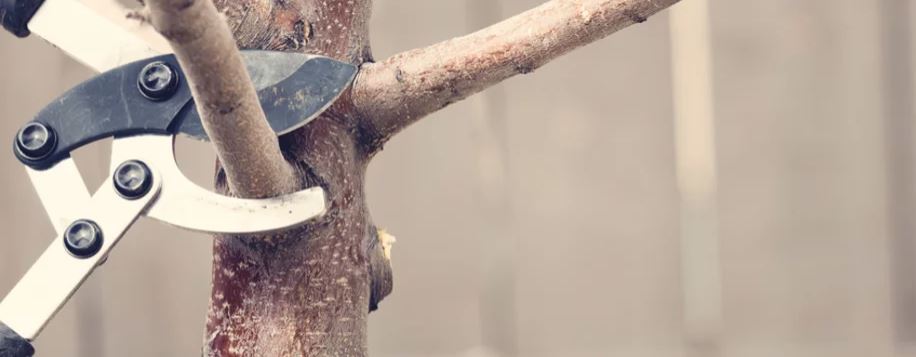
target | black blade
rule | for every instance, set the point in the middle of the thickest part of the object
(293, 89)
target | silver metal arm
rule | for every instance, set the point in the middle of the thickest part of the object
(171, 198)
(184, 204)
(91, 38)
(61, 191)
(57, 274)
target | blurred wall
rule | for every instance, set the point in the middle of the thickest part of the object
(541, 218)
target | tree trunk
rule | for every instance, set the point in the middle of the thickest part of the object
(306, 291)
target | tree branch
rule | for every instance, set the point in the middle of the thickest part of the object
(226, 99)
(397, 92)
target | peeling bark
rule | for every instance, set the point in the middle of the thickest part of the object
(308, 291)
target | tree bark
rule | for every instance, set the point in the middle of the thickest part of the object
(305, 292)
(308, 291)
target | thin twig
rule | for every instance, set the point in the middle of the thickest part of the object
(226, 99)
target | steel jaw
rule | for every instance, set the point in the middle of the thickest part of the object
(170, 197)
(184, 204)
(181, 202)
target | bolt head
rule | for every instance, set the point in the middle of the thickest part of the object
(132, 179)
(83, 238)
(35, 141)
(157, 81)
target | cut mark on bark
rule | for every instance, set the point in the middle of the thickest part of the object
(524, 68)
(226, 109)
(184, 5)
(634, 16)
(309, 33)
(299, 34)
(141, 15)
(369, 138)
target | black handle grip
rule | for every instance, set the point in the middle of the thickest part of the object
(15, 15)
(11, 344)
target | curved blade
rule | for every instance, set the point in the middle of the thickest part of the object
(293, 89)
(183, 204)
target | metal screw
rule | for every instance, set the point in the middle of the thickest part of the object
(83, 238)
(157, 81)
(35, 141)
(132, 179)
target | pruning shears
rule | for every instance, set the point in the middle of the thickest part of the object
(141, 101)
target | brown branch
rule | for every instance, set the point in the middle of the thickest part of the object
(226, 99)
(406, 87)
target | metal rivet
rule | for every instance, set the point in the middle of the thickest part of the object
(83, 238)
(35, 141)
(132, 179)
(157, 81)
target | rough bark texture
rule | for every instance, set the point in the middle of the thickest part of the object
(308, 292)
(304, 292)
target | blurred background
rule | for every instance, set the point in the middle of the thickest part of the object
(730, 178)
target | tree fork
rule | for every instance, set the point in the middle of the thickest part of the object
(308, 291)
